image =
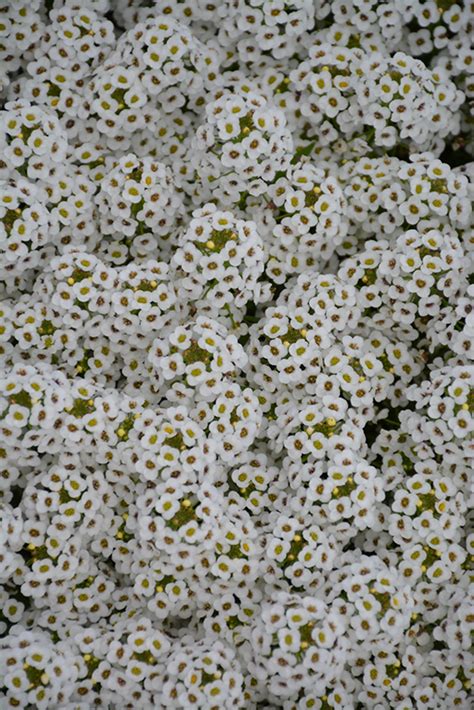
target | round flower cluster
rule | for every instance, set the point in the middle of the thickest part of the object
(138, 202)
(28, 134)
(387, 100)
(21, 27)
(195, 358)
(236, 354)
(389, 196)
(74, 40)
(241, 146)
(263, 25)
(154, 69)
(297, 644)
(219, 260)
(307, 217)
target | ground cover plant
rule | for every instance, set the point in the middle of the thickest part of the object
(236, 354)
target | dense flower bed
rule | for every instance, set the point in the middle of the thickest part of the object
(236, 354)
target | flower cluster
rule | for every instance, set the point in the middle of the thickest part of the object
(387, 100)
(236, 354)
(138, 202)
(307, 217)
(219, 260)
(241, 146)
